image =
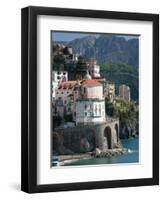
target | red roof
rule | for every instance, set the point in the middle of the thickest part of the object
(90, 82)
(70, 85)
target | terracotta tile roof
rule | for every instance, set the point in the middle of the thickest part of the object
(64, 89)
(91, 82)
(70, 82)
(75, 85)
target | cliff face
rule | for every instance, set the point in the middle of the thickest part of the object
(84, 46)
(128, 114)
(107, 49)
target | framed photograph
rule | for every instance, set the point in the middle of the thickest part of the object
(90, 99)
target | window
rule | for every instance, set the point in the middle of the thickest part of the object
(85, 113)
(85, 106)
(58, 77)
(99, 109)
(96, 109)
(100, 112)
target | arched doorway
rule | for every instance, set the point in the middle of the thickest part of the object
(117, 131)
(107, 138)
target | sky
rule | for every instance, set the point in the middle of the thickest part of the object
(68, 36)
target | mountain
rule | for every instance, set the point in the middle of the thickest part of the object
(107, 49)
(84, 46)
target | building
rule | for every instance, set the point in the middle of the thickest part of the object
(83, 99)
(68, 92)
(124, 92)
(57, 78)
(81, 68)
(90, 111)
(58, 49)
(109, 91)
(59, 108)
(90, 106)
(87, 76)
(94, 69)
(67, 89)
(91, 89)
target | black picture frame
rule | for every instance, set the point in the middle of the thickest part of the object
(29, 99)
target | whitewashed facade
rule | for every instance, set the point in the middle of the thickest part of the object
(92, 91)
(83, 99)
(94, 69)
(124, 92)
(90, 107)
(58, 77)
(90, 111)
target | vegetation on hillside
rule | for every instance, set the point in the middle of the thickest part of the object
(128, 114)
(122, 73)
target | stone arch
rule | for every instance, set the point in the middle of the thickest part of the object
(117, 131)
(107, 138)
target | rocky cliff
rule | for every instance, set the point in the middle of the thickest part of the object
(107, 49)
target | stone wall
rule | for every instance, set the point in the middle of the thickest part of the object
(82, 139)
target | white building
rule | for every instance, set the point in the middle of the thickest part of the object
(90, 111)
(91, 89)
(68, 92)
(83, 99)
(57, 78)
(90, 107)
(94, 69)
(124, 92)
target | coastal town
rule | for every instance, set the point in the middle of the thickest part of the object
(81, 126)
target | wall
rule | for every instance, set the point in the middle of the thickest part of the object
(95, 92)
(89, 111)
(81, 139)
(10, 100)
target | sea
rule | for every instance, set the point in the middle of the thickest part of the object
(131, 144)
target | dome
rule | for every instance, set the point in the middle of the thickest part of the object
(87, 76)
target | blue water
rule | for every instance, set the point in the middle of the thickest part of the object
(131, 157)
